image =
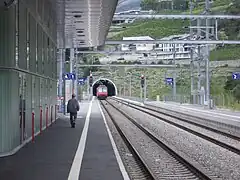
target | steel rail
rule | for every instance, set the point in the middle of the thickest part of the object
(134, 152)
(215, 141)
(194, 168)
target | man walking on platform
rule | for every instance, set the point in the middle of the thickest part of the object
(72, 108)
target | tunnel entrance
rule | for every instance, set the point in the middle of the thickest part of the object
(111, 87)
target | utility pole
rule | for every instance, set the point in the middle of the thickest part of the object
(174, 73)
(199, 59)
(124, 80)
(124, 89)
(142, 87)
(145, 89)
(207, 56)
(216, 29)
(130, 86)
(191, 61)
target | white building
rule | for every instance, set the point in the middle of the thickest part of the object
(165, 51)
(136, 46)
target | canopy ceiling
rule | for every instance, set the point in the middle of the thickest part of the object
(85, 23)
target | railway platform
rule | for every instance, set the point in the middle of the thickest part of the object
(221, 115)
(61, 152)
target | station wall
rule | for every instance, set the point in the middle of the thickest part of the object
(28, 70)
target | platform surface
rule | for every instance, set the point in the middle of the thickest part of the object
(52, 154)
(99, 161)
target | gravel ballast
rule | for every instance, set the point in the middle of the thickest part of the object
(213, 122)
(162, 164)
(227, 140)
(219, 160)
(132, 166)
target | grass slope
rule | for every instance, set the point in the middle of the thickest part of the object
(163, 28)
(153, 28)
(156, 85)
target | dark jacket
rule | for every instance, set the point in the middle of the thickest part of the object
(73, 106)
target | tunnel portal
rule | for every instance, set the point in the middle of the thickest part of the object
(111, 87)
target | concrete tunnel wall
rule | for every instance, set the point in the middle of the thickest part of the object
(112, 88)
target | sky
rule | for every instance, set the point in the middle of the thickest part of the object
(125, 5)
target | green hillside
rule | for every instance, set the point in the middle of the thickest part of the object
(153, 28)
(162, 28)
(222, 86)
(224, 90)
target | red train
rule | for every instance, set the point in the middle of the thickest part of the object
(102, 92)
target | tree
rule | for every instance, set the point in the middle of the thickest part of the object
(180, 4)
(236, 93)
(230, 84)
(222, 35)
(160, 62)
(232, 27)
(148, 4)
(137, 62)
(85, 59)
(86, 70)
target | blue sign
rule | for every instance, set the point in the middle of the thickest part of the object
(236, 75)
(70, 76)
(82, 81)
(169, 81)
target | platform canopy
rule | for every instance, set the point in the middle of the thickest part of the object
(84, 23)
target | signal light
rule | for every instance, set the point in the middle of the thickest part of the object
(142, 81)
(90, 80)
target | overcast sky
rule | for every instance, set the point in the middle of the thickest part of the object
(125, 5)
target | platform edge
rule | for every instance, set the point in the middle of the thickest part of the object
(117, 155)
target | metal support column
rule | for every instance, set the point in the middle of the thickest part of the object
(174, 73)
(76, 68)
(191, 62)
(216, 29)
(199, 27)
(76, 84)
(124, 87)
(124, 81)
(199, 62)
(207, 57)
(130, 86)
(88, 88)
(60, 60)
(64, 82)
(199, 75)
(71, 68)
(145, 89)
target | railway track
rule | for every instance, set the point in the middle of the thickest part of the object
(183, 124)
(172, 160)
(215, 126)
(147, 173)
